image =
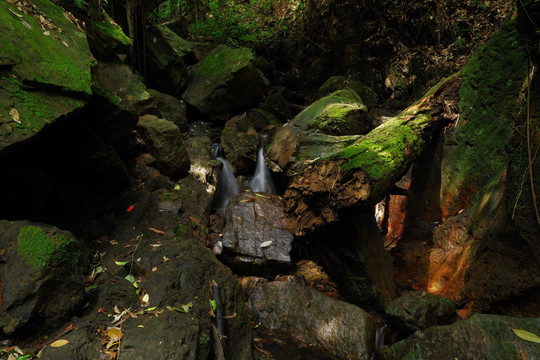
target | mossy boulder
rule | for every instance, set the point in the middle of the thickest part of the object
(291, 147)
(121, 86)
(340, 113)
(166, 54)
(165, 144)
(43, 274)
(368, 96)
(225, 83)
(482, 337)
(419, 310)
(486, 248)
(105, 36)
(44, 75)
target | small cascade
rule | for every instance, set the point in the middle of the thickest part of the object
(227, 185)
(262, 179)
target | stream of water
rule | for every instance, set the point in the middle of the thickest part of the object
(262, 179)
(227, 185)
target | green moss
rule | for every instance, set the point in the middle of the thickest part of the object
(346, 96)
(35, 109)
(384, 149)
(224, 58)
(108, 27)
(46, 59)
(111, 98)
(181, 229)
(38, 247)
(491, 81)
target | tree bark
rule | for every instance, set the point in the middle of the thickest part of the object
(364, 172)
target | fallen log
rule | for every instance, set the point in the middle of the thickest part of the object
(364, 172)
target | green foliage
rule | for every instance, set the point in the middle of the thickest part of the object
(38, 247)
(181, 229)
(233, 21)
(204, 339)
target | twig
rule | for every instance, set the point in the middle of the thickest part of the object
(530, 73)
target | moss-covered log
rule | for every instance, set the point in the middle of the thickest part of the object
(364, 172)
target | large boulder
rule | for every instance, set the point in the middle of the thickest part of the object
(484, 249)
(120, 85)
(335, 83)
(482, 337)
(164, 141)
(325, 127)
(297, 322)
(256, 237)
(419, 310)
(166, 56)
(225, 83)
(43, 274)
(291, 146)
(45, 74)
(339, 113)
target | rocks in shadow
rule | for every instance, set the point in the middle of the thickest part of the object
(482, 336)
(418, 310)
(43, 275)
(296, 322)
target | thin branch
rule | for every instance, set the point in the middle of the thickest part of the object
(530, 73)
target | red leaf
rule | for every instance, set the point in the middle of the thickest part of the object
(130, 208)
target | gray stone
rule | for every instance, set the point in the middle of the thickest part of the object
(164, 141)
(256, 234)
(298, 322)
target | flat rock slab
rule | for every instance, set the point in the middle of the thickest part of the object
(299, 322)
(256, 232)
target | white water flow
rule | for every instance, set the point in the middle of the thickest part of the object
(262, 179)
(227, 185)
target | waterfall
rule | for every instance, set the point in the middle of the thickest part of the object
(262, 179)
(227, 185)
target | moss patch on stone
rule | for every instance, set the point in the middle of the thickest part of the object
(488, 105)
(38, 247)
(107, 26)
(307, 118)
(61, 59)
(384, 149)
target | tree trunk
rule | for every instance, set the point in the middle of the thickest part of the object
(364, 172)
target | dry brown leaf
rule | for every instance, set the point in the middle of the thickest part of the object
(159, 232)
(59, 343)
(114, 333)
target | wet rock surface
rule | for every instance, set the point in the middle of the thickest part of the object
(297, 322)
(256, 237)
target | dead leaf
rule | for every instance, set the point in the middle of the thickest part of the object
(159, 232)
(15, 115)
(165, 259)
(114, 333)
(59, 343)
(522, 355)
(154, 269)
